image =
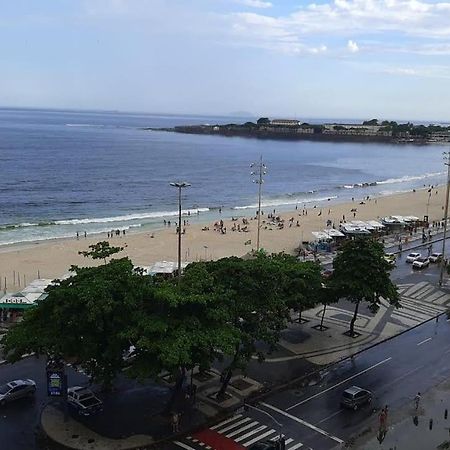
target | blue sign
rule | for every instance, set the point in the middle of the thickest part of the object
(56, 383)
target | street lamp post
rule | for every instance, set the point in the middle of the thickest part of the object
(180, 185)
(280, 425)
(259, 172)
(447, 163)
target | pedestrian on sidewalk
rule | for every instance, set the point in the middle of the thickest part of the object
(417, 401)
(175, 421)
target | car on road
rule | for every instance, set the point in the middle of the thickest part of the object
(435, 257)
(412, 257)
(266, 445)
(354, 397)
(390, 258)
(15, 390)
(84, 401)
(421, 263)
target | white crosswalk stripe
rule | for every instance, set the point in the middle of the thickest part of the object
(295, 446)
(258, 438)
(242, 429)
(250, 433)
(237, 416)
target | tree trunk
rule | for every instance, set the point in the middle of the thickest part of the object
(177, 388)
(352, 322)
(300, 316)
(227, 378)
(323, 315)
(226, 381)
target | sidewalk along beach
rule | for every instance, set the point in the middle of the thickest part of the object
(52, 259)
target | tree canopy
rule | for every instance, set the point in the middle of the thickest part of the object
(361, 273)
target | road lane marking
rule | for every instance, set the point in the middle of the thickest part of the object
(233, 425)
(240, 430)
(329, 417)
(185, 446)
(258, 438)
(403, 376)
(250, 433)
(423, 342)
(237, 416)
(306, 424)
(339, 384)
(294, 447)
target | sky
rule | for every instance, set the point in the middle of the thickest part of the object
(387, 59)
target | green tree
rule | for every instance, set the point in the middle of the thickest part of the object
(362, 274)
(370, 122)
(301, 283)
(84, 319)
(181, 327)
(100, 250)
(263, 121)
(250, 301)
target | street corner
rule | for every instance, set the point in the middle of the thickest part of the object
(74, 435)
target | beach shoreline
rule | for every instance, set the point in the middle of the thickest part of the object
(53, 258)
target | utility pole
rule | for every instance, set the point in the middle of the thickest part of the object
(180, 185)
(443, 266)
(259, 173)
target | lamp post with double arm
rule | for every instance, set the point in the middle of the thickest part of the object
(259, 173)
(180, 185)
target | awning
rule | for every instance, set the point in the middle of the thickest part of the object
(16, 305)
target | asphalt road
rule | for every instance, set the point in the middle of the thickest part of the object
(19, 420)
(394, 371)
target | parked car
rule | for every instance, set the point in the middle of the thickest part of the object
(354, 397)
(421, 263)
(16, 389)
(84, 401)
(435, 257)
(412, 257)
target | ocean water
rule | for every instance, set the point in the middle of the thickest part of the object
(64, 172)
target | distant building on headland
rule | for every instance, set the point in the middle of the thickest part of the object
(285, 122)
(355, 129)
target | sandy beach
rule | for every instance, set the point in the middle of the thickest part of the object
(53, 259)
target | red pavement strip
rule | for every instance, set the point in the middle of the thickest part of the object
(216, 440)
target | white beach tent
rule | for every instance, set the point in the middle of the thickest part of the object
(333, 233)
(165, 268)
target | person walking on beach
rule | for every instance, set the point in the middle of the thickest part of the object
(85, 235)
(78, 235)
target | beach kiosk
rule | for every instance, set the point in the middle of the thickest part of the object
(166, 269)
(12, 306)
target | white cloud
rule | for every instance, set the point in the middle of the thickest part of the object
(352, 46)
(254, 3)
(402, 19)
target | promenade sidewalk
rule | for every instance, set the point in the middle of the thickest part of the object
(410, 430)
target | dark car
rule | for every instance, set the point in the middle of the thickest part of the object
(16, 389)
(266, 445)
(355, 397)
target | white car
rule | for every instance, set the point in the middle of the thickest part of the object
(421, 263)
(412, 257)
(435, 257)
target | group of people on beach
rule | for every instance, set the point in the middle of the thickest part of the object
(116, 233)
(78, 235)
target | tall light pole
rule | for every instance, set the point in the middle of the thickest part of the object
(259, 173)
(447, 163)
(180, 185)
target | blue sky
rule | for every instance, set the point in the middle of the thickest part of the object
(339, 59)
